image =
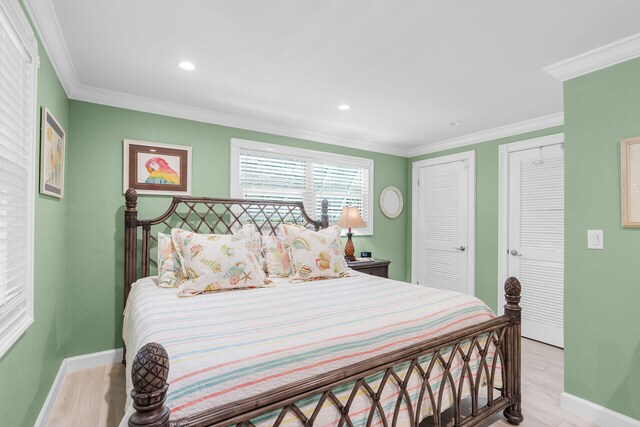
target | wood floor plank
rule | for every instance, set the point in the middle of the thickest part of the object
(573, 422)
(81, 396)
(64, 404)
(113, 396)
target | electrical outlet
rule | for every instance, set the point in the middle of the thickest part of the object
(595, 239)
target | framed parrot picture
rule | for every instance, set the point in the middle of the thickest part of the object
(154, 168)
(52, 150)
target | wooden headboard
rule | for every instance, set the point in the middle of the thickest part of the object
(204, 215)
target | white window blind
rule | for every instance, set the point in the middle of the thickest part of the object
(18, 67)
(266, 171)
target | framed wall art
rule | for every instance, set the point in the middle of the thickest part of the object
(154, 168)
(630, 156)
(52, 153)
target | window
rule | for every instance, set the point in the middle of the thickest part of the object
(267, 171)
(18, 73)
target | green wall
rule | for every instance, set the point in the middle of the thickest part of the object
(27, 370)
(602, 288)
(78, 275)
(94, 179)
(486, 210)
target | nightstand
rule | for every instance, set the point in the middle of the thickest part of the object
(377, 267)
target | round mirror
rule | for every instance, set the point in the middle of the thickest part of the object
(391, 201)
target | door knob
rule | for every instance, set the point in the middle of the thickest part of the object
(460, 248)
(515, 252)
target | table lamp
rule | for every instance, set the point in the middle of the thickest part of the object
(350, 218)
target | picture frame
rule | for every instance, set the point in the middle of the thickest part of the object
(630, 162)
(52, 155)
(155, 168)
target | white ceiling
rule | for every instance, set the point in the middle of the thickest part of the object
(408, 68)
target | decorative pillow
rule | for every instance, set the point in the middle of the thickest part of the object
(276, 256)
(213, 262)
(169, 267)
(315, 254)
(251, 231)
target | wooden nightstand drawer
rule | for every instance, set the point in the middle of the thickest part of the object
(377, 267)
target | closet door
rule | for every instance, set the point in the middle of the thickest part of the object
(536, 239)
(444, 214)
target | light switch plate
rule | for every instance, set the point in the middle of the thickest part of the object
(595, 239)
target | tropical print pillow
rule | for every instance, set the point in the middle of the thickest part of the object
(276, 256)
(315, 254)
(256, 248)
(169, 268)
(215, 262)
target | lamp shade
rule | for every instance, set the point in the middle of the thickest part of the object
(350, 218)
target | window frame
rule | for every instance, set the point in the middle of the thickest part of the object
(255, 147)
(12, 15)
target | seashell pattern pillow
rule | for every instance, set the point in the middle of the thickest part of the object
(169, 267)
(276, 256)
(252, 232)
(215, 262)
(315, 254)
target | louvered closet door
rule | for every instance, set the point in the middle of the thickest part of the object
(536, 239)
(443, 210)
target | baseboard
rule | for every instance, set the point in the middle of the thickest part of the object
(47, 407)
(92, 360)
(595, 413)
(73, 364)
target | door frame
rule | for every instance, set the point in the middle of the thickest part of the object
(470, 158)
(503, 201)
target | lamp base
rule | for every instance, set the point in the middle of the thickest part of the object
(349, 248)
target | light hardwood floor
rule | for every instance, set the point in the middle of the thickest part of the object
(98, 393)
(92, 394)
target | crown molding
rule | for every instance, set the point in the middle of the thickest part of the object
(44, 19)
(164, 108)
(518, 128)
(46, 23)
(596, 59)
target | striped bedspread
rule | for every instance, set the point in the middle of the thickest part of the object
(228, 346)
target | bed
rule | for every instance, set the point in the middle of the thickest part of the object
(352, 351)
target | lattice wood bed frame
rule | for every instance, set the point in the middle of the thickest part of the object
(151, 364)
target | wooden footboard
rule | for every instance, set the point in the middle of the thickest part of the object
(494, 386)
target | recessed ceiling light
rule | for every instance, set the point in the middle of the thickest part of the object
(456, 123)
(344, 107)
(186, 65)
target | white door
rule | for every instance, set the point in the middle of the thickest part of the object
(536, 239)
(445, 219)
